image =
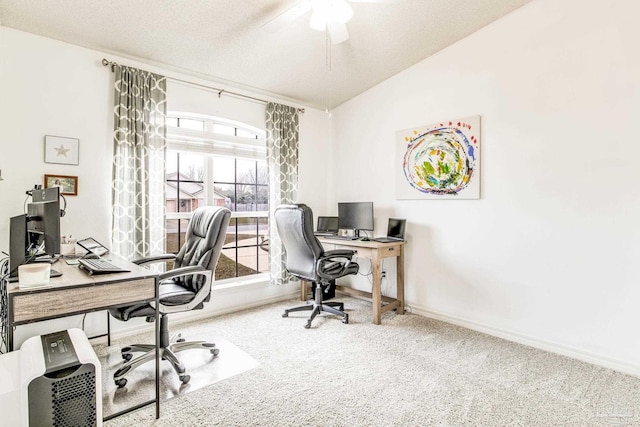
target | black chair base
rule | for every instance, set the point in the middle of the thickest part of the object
(168, 349)
(317, 306)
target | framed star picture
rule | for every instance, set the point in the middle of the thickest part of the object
(58, 149)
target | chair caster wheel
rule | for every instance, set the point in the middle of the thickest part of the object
(185, 378)
(215, 351)
(285, 314)
(127, 356)
(121, 382)
(345, 319)
(307, 325)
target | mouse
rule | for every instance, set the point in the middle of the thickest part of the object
(365, 239)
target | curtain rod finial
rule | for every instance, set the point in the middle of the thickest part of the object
(108, 63)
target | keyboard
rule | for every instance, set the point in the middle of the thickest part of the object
(100, 266)
(341, 237)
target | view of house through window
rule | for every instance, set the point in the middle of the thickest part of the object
(213, 162)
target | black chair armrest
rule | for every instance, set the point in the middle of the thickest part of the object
(200, 296)
(155, 258)
(327, 264)
(338, 253)
(182, 271)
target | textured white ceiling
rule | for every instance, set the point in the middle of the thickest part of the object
(223, 40)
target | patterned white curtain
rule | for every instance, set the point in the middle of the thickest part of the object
(282, 163)
(139, 145)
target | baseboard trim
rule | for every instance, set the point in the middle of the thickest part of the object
(200, 314)
(553, 347)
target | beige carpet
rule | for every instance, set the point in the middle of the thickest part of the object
(409, 371)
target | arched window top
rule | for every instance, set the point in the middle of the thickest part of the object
(202, 133)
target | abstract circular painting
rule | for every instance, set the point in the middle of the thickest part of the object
(441, 160)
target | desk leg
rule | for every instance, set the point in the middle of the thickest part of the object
(304, 289)
(157, 350)
(400, 280)
(376, 292)
(10, 329)
(108, 329)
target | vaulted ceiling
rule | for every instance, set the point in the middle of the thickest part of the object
(226, 40)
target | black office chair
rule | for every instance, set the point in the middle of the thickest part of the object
(186, 287)
(307, 260)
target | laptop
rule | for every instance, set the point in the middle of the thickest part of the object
(327, 226)
(395, 231)
(92, 263)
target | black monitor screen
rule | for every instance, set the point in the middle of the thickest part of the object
(43, 225)
(355, 215)
(18, 242)
(396, 228)
(327, 223)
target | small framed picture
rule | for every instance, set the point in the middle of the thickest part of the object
(68, 184)
(58, 149)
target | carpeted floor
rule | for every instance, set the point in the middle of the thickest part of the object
(204, 369)
(409, 371)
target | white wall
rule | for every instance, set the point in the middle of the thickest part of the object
(549, 254)
(52, 88)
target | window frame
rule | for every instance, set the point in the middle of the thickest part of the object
(211, 144)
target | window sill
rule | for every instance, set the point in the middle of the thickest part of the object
(238, 283)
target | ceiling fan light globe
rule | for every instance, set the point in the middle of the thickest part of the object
(329, 11)
(318, 21)
(340, 11)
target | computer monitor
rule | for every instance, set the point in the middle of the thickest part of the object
(51, 194)
(18, 243)
(43, 225)
(355, 216)
(396, 227)
(327, 224)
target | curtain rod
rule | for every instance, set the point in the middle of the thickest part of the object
(112, 65)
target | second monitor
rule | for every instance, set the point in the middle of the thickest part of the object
(355, 216)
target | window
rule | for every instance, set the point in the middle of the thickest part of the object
(220, 163)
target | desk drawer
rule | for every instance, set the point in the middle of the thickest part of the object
(391, 251)
(42, 305)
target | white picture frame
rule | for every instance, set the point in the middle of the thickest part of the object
(61, 150)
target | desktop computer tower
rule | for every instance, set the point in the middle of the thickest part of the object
(60, 381)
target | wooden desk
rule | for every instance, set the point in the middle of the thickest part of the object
(76, 292)
(375, 252)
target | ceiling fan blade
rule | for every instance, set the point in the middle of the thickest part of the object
(288, 16)
(338, 32)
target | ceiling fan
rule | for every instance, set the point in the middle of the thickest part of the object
(326, 15)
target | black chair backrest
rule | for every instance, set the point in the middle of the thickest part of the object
(295, 228)
(203, 241)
